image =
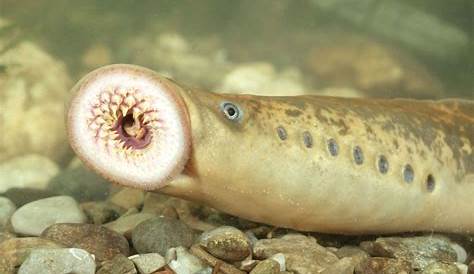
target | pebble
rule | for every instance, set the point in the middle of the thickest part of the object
(419, 251)
(223, 267)
(58, 261)
(6, 210)
(441, 268)
(268, 266)
(343, 266)
(33, 218)
(119, 264)
(125, 224)
(101, 212)
(303, 254)
(6, 267)
(159, 234)
(16, 250)
(148, 263)
(100, 241)
(128, 198)
(28, 171)
(383, 265)
(183, 262)
(226, 243)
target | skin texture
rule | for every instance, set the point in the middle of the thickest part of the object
(350, 166)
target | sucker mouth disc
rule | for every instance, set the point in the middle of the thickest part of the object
(146, 147)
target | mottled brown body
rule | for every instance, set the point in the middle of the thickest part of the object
(247, 169)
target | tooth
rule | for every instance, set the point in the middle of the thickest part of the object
(104, 97)
(116, 99)
(130, 101)
(124, 109)
(109, 118)
(96, 112)
(104, 107)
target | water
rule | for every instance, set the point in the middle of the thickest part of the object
(415, 49)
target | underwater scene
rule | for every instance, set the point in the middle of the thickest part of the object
(233, 137)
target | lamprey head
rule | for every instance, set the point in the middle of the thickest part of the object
(130, 125)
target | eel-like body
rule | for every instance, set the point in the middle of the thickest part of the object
(311, 163)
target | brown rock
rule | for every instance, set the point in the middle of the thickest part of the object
(379, 265)
(419, 251)
(226, 243)
(125, 224)
(101, 212)
(268, 266)
(303, 254)
(128, 198)
(440, 267)
(100, 241)
(6, 267)
(118, 265)
(218, 265)
(16, 250)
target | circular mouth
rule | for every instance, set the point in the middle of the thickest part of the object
(130, 125)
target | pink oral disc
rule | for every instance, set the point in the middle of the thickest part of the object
(130, 125)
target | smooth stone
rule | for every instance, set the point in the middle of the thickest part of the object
(148, 263)
(303, 254)
(128, 198)
(471, 267)
(379, 265)
(58, 261)
(119, 264)
(16, 250)
(34, 217)
(6, 211)
(268, 266)
(29, 171)
(441, 268)
(125, 224)
(159, 234)
(183, 262)
(226, 243)
(356, 254)
(212, 261)
(100, 241)
(101, 212)
(419, 251)
(343, 266)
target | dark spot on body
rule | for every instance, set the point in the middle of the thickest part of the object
(281, 132)
(382, 164)
(408, 173)
(358, 155)
(307, 139)
(293, 112)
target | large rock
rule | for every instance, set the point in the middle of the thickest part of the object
(34, 217)
(32, 95)
(303, 254)
(419, 251)
(100, 241)
(29, 171)
(16, 250)
(58, 261)
(159, 234)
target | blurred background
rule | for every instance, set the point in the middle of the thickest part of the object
(356, 48)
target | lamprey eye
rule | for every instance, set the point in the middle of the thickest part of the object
(231, 111)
